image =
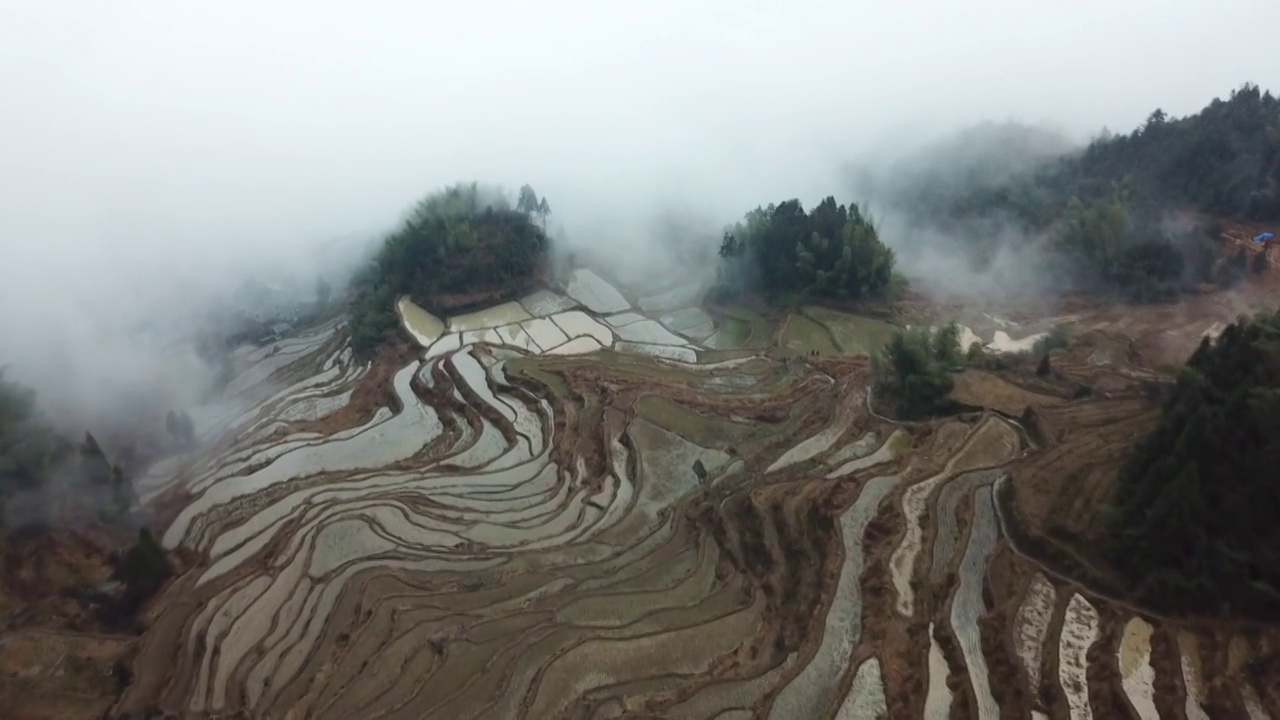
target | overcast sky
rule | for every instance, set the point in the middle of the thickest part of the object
(153, 139)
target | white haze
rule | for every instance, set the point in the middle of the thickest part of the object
(154, 153)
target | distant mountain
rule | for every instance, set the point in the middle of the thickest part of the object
(1100, 218)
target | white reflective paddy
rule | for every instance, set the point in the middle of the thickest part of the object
(592, 315)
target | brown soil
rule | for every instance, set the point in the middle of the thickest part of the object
(984, 389)
(58, 675)
(54, 660)
(43, 570)
(406, 636)
(373, 392)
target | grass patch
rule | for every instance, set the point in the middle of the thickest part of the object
(805, 335)
(853, 334)
(528, 368)
(714, 356)
(696, 428)
(733, 333)
(900, 442)
(761, 330)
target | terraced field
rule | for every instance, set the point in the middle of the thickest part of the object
(483, 527)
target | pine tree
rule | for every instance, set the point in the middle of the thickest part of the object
(544, 210)
(527, 202)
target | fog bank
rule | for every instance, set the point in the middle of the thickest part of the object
(157, 153)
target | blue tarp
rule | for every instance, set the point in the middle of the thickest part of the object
(1264, 236)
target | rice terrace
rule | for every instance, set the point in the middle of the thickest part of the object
(563, 507)
(775, 479)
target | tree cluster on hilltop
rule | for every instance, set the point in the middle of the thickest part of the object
(1194, 518)
(461, 242)
(831, 251)
(1112, 217)
(1224, 160)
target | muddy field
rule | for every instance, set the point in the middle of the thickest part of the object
(499, 530)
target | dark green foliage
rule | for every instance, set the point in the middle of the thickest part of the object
(975, 354)
(50, 472)
(832, 251)
(914, 369)
(461, 242)
(1043, 369)
(143, 569)
(543, 211)
(373, 312)
(1115, 214)
(1106, 247)
(1224, 160)
(1194, 520)
(29, 449)
(527, 202)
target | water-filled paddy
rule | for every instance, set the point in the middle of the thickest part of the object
(597, 295)
(422, 325)
(568, 515)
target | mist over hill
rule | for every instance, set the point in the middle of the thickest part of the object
(141, 194)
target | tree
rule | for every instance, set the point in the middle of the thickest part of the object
(1193, 518)
(544, 210)
(700, 472)
(29, 449)
(914, 369)
(1114, 212)
(455, 243)
(1093, 235)
(1155, 120)
(528, 201)
(730, 247)
(143, 569)
(833, 251)
(96, 468)
(35, 458)
(1043, 369)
